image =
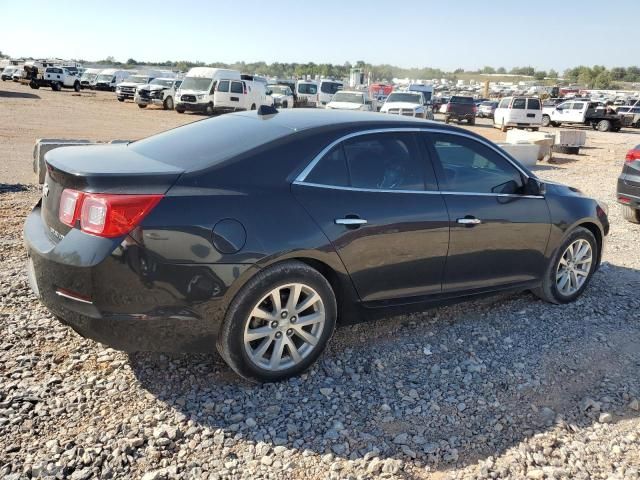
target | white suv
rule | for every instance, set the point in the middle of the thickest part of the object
(159, 91)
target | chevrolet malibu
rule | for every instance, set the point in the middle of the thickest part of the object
(256, 233)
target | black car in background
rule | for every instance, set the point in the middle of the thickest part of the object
(629, 186)
(256, 233)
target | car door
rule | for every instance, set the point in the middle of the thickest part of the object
(562, 112)
(375, 198)
(576, 114)
(518, 111)
(501, 111)
(498, 233)
(534, 111)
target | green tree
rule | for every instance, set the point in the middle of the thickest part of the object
(488, 70)
(540, 75)
(131, 61)
(501, 70)
(552, 74)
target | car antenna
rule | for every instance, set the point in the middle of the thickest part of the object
(267, 111)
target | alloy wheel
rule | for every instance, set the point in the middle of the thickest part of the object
(284, 327)
(574, 267)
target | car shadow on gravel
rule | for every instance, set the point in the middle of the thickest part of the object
(448, 387)
(14, 188)
(30, 96)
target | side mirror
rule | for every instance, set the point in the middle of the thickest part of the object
(535, 187)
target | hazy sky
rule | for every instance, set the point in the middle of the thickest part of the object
(444, 34)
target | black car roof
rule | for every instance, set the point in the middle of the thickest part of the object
(308, 118)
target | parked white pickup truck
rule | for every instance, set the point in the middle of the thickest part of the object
(581, 112)
(58, 77)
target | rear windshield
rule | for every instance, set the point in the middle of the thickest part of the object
(533, 104)
(208, 142)
(461, 100)
(308, 88)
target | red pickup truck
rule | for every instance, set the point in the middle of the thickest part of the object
(460, 108)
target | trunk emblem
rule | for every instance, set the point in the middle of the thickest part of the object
(45, 190)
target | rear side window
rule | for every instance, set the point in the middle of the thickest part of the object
(236, 87)
(519, 104)
(331, 170)
(533, 104)
(388, 161)
(223, 86)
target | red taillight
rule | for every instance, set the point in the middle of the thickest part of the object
(624, 199)
(105, 215)
(70, 201)
(632, 156)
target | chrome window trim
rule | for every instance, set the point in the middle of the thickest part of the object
(422, 192)
(305, 173)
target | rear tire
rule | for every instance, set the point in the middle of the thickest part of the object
(471, 121)
(446, 119)
(140, 105)
(120, 99)
(550, 288)
(55, 86)
(278, 282)
(34, 85)
(285, 104)
(630, 214)
(253, 106)
(604, 126)
(504, 127)
(546, 120)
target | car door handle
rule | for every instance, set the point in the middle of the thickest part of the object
(351, 222)
(469, 221)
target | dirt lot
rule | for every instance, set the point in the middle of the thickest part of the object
(509, 387)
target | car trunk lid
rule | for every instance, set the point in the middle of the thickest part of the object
(111, 169)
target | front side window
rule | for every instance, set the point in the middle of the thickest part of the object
(578, 105)
(472, 167)
(307, 88)
(504, 103)
(223, 86)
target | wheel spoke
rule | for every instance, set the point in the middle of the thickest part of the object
(259, 312)
(310, 319)
(563, 281)
(310, 300)
(276, 354)
(582, 273)
(563, 261)
(264, 346)
(293, 351)
(574, 281)
(294, 297)
(258, 333)
(306, 336)
(584, 260)
(275, 300)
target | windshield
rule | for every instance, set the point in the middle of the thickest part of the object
(137, 79)
(196, 83)
(105, 77)
(348, 97)
(278, 89)
(8, 69)
(330, 87)
(88, 76)
(308, 88)
(160, 81)
(405, 98)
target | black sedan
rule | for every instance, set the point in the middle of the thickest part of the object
(256, 233)
(629, 186)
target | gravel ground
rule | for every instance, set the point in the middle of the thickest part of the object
(508, 387)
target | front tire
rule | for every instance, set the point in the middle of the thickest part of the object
(76, 86)
(209, 109)
(546, 120)
(168, 103)
(279, 323)
(141, 105)
(471, 121)
(630, 214)
(571, 268)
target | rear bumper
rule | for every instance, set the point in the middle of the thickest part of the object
(627, 194)
(118, 293)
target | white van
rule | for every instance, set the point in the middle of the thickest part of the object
(427, 90)
(88, 78)
(518, 112)
(198, 87)
(307, 93)
(108, 79)
(327, 90)
(231, 95)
